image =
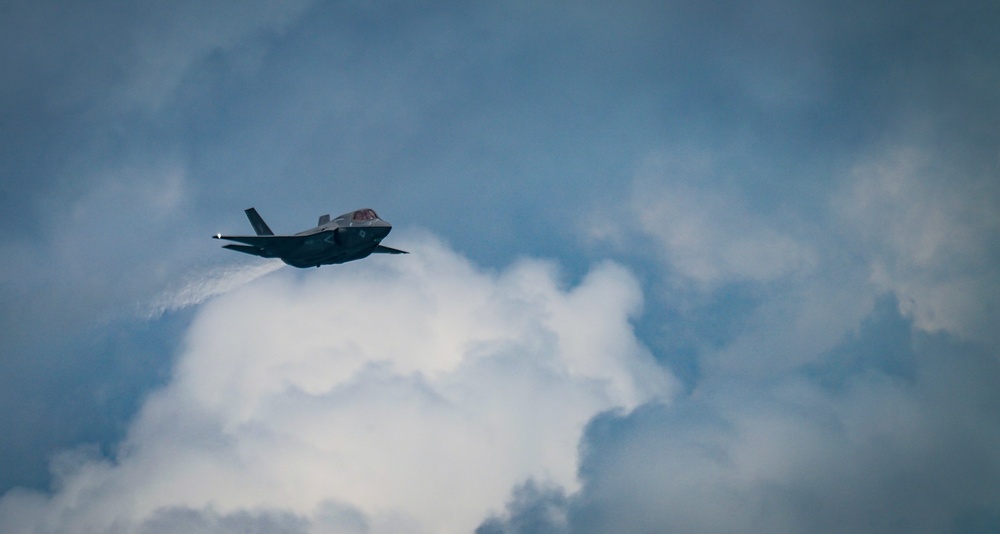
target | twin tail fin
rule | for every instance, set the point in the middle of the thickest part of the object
(258, 223)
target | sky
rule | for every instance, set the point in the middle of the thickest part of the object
(674, 267)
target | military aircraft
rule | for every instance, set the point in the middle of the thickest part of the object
(348, 237)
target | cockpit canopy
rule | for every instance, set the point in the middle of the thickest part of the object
(364, 215)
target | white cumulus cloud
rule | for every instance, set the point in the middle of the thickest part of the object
(397, 393)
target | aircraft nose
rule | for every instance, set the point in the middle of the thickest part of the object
(381, 228)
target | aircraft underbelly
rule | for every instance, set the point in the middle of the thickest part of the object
(312, 257)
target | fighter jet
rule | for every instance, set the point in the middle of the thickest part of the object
(348, 237)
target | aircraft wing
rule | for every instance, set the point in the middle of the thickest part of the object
(268, 246)
(382, 249)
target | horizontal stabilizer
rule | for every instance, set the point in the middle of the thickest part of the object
(270, 246)
(248, 250)
(382, 249)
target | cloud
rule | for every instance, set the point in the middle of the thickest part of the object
(850, 388)
(881, 453)
(413, 392)
(117, 240)
(532, 508)
(706, 235)
(134, 132)
(743, 273)
(856, 393)
(186, 520)
(130, 57)
(931, 224)
(170, 40)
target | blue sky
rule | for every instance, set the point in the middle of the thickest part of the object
(675, 267)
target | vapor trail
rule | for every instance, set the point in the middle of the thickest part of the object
(202, 284)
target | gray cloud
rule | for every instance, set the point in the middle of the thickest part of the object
(531, 509)
(932, 225)
(185, 520)
(880, 455)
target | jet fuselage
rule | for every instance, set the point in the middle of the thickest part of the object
(348, 237)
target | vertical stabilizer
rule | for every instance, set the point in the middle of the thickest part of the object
(259, 225)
